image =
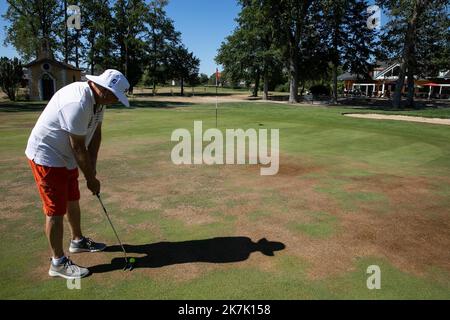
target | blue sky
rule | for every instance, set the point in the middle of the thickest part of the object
(4, 51)
(204, 24)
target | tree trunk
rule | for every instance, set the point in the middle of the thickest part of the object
(126, 59)
(92, 54)
(336, 24)
(66, 44)
(335, 84)
(92, 60)
(410, 96)
(11, 93)
(266, 86)
(77, 56)
(294, 40)
(408, 52)
(257, 79)
(125, 66)
(293, 77)
(397, 99)
(154, 47)
(182, 86)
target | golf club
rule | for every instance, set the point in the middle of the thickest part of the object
(128, 263)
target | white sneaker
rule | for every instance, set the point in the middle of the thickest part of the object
(67, 270)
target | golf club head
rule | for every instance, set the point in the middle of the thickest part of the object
(129, 265)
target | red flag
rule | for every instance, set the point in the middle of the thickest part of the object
(217, 76)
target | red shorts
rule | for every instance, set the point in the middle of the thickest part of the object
(56, 187)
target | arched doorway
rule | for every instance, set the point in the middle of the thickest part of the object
(48, 88)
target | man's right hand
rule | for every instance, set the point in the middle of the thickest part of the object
(94, 185)
(84, 162)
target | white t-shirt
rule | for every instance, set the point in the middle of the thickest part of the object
(71, 110)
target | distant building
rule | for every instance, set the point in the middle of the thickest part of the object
(382, 80)
(45, 75)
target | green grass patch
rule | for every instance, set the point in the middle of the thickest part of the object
(321, 225)
(341, 151)
(351, 200)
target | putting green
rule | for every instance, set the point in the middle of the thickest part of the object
(350, 193)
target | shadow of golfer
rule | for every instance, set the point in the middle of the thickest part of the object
(216, 250)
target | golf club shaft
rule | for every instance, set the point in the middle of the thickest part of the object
(112, 226)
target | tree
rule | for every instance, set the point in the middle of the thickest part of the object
(360, 46)
(351, 43)
(66, 33)
(203, 79)
(128, 34)
(10, 76)
(184, 66)
(237, 56)
(72, 46)
(415, 30)
(161, 40)
(433, 48)
(30, 22)
(314, 53)
(249, 53)
(98, 35)
(289, 17)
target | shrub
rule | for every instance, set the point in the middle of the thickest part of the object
(282, 87)
(11, 74)
(319, 90)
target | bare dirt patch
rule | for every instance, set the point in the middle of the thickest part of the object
(195, 99)
(412, 234)
(190, 215)
(291, 169)
(409, 228)
(130, 201)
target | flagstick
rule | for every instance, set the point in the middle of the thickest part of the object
(217, 98)
(217, 102)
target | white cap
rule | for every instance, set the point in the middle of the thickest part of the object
(115, 82)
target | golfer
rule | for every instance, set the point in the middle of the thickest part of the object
(66, 137)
